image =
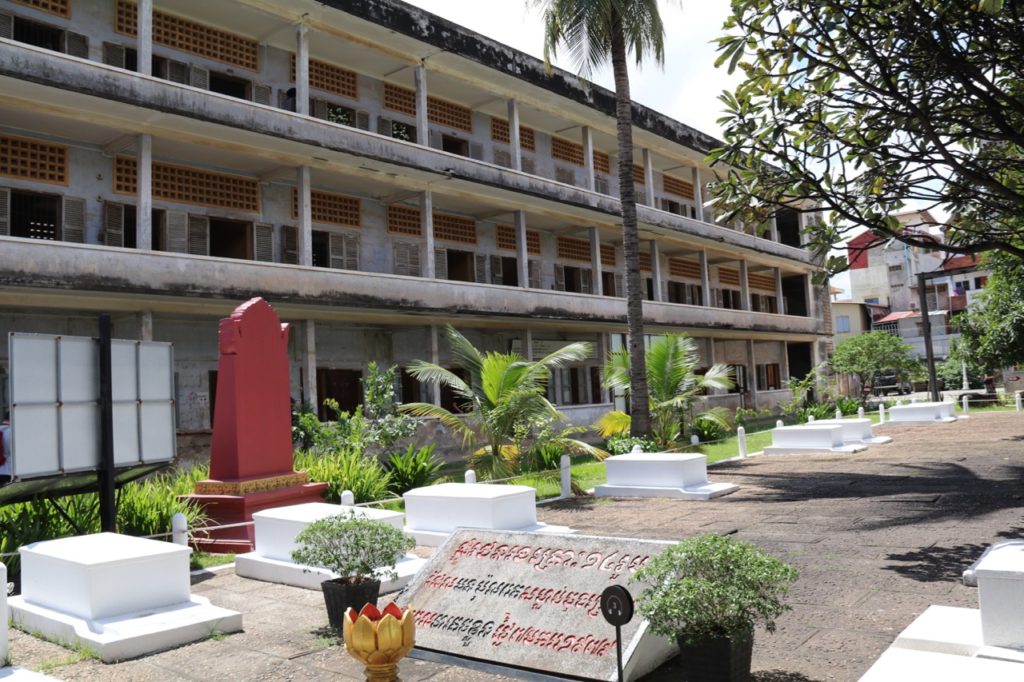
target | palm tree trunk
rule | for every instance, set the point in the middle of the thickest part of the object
(638, 400)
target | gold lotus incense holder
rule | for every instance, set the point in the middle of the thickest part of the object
(379, 639)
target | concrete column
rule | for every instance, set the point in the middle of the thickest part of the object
(144, 197)
(309, 394)
(515, 151)
(784, 369)
(146, 325)
(305, 217)
(773, 229)
(422, 130)
(302, 70)
(528, 345)
(435, 357)
(648, 178)
(588, 157)
(780, 300)
(705, 280)
(812, 308)
(144, 46)
(427, 229)
(752, 376)
(698, 192)
(522, 255)
(745, 285)
(656, 269)
(711, 352)
(602, 360)
(595, 261)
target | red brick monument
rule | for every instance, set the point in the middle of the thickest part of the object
(251, 458)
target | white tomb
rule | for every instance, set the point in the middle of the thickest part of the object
(857, 430)
(805, 438)
(275, 532)
(116, 595)
(923, 412)
(660, 474)
(985, 644)
(433, 512)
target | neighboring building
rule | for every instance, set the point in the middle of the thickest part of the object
(850, 318)
(375, 172)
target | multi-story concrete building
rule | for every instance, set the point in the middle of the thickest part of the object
(375, 172)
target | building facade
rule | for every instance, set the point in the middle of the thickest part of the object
(375, 172)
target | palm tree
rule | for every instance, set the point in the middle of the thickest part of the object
(596, 31)
(674, 385)
(503, 401)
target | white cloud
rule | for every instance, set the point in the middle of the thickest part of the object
(686, 89)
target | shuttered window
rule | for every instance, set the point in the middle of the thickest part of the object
(33, 160)
(330, 208)
(186, 185)
(407, 258)
(263, 242)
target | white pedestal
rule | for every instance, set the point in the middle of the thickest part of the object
(117, 595)
(856, 430)
(275, 532)
(805, 438)
(900, 665)
(1000, 576)
(433, 512)
(942, 412)
(660, 474)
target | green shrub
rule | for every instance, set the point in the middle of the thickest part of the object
(621, 444)
(352, 546)
(345, 469)
(818, 411)
(306, 426)
(713, 586)
(847, 406)
(413, 468)
(709, 430)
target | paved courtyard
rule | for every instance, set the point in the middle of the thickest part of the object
(877, 537)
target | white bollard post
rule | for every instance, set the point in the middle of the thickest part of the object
(348, 498)
(179, 530)
(741, 439)
(3, 614)
(839, 413)
(810, 419)
(637, 450)
(963, 404)
(566, 477)
(860, 412)
(694, 440)
(1018, 401)
(779, 423)
(470, 476)
(881, 414)
(899, 402)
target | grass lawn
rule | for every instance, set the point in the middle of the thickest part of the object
(204, 560)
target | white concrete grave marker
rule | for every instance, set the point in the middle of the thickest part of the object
(806, 438)
(116, 595)
(924, 412)
(275, 532)
(678, 475)
(434, 511)
(533, 601)
(857, 431)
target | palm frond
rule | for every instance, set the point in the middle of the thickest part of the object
(613, 423)
(430, 373)
(448, 419)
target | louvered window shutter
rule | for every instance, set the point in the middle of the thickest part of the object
(497, 271)
(72, 227)
(502, 158)
(440, 263)
(319, 108)
(664, 290)
(384, 126)
(586, 281)
(177, 232)
(476, 151)
(534, 270)
(435, 139)
(263, 242)
(5, 211)
(198, 235)
(481, 268)
(6, 25)
(76, 45)
(113, 224)
(620, 289)
(528, 165)
(198, 77)
(262, 94)
(113, 55)
(363, 120)
(351, 252)
(407, 259)
(177, 72)
(289, 244)
(336, 249)
(559, 277)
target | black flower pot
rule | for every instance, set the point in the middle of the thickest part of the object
(717, 659)
(340, 595)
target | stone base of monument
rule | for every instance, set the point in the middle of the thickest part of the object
(660, 474)
(117, 596)
(941, 412)
(275, 531)
(10, 674)
(808, 438)
(231, 502)
(433, 512)
(856, 431)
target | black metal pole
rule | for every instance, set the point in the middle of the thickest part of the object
(926, 330)
(618, 649)
(108, 509)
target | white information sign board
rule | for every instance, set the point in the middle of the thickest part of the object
(55, 411)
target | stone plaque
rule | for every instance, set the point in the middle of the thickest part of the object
(533, 600)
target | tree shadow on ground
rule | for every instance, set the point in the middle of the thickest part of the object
(906, 494)
(938, 564)
(671, 672)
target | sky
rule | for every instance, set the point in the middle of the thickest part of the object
(686, 88)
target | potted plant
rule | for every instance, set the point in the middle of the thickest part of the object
(707, 593)
(359, 551)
